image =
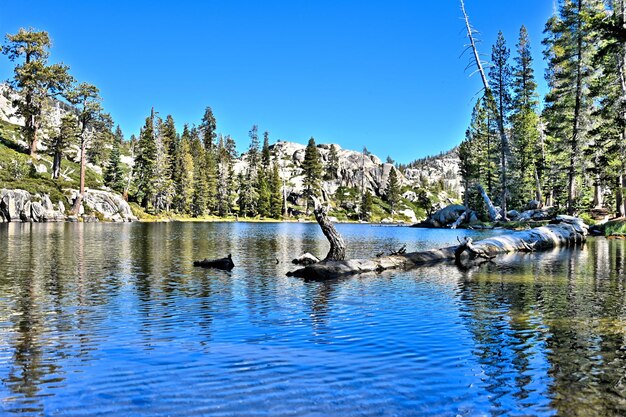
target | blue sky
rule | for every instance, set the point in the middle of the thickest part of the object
(386, 75)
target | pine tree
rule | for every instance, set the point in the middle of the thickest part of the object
(169, 138)
(312, 167)
(499, 92)
(608, 148)
(569, 47)
(119, 135)
(163, 184)
(200, 185)
(248, 191)
(86, 99)
(145, 163)
(392, 193)
(35, 82)
(276, 199)
(367, 204)
(208, 129)
(527, 161)
(264, 179)
(333, 163)
(185, 186)
(114, 173)
(265, 153)
(60, 140)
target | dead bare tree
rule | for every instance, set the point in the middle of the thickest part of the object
(504, 140)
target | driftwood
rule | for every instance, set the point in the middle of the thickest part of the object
(568, 232)
(225, 264)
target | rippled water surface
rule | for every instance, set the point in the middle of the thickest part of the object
(112, 320)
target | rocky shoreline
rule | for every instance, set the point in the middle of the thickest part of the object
(21, 206)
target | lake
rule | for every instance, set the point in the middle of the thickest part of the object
(113, 320)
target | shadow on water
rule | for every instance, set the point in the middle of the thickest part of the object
(103, 319)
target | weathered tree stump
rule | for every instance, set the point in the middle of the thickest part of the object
(337, 250)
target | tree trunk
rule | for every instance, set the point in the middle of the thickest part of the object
(35, 139)
(493, 213)
(538, 194)
(503, 138)
(619, 196)
(81, 195)
(571, 188)
(56, 165)
(461, 219)
(337, 250)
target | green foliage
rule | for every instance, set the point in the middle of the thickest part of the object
(367, 204)
(145, 163)
(392, 193)
(615, 228)
(333, 163)
(312, 170)
(276, 198)
(114, 172)
(34, 81)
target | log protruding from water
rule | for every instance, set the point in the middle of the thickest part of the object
(225, 264)
(566, 232)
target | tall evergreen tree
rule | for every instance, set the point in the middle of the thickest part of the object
(86, 98)
(145, 163)
(312, 167)
(276, 199)
(569, 48)
(392, 193)
(333, 163)
(500, 84)
(114, 173)
(34, 81)
(60, 140)
(248, 191)
(208, 129)
(527, 162)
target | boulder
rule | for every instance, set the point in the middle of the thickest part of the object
(447, 215)
(37, 212)
(533, 205)
(13, 204)
(108, 204)
(575, 222)
(513, 214)
(25, 213)
(46, 203)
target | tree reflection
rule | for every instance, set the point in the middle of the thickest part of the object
(552, 320)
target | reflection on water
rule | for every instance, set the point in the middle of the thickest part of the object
(108, 319)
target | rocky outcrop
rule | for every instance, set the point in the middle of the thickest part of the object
(111, 206)
(22, 206)
(442, 169)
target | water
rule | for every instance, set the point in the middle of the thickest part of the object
(112, 320)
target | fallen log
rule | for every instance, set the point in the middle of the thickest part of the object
(567, 232)
(225, 264)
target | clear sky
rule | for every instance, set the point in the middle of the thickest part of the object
(387, 74)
